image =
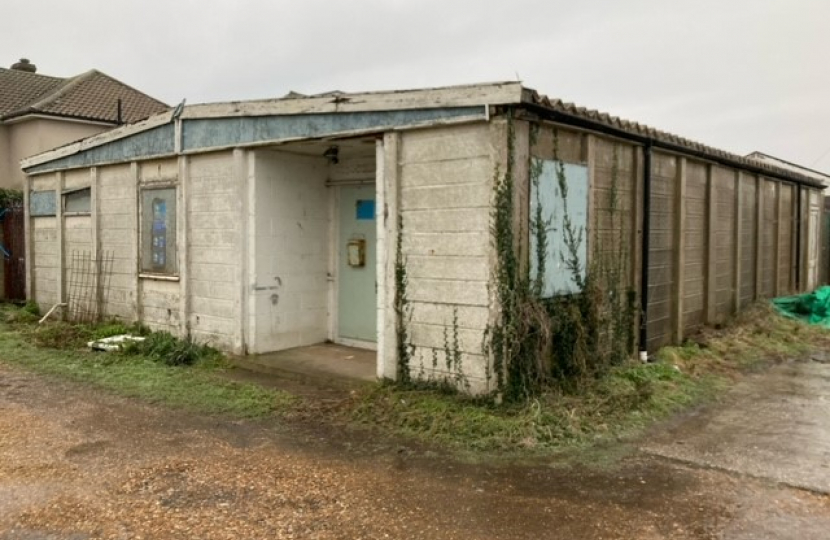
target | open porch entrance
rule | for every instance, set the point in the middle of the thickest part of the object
(314, 282)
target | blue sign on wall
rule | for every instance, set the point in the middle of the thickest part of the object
(365, 209)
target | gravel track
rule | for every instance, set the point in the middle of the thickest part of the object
(76, 464)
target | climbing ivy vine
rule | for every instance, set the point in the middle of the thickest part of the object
(403, 311)
(534, 342)
(538, 343)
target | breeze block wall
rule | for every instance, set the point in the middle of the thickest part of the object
(214, 249)
(445, 190)
(291, 251)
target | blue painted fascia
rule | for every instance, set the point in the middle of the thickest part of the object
(157, 141)
(223, 132)
(210, 133)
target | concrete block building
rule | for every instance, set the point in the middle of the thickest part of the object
(266, 225)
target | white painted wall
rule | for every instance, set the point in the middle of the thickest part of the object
(210, 246)
(45, 261)
(117, 237)
(290, 252)
(445, 187)
(214, 249)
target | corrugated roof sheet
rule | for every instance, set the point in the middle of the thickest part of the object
(92, 96)
(641, 130)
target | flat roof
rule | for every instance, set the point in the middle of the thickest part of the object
(211, 126)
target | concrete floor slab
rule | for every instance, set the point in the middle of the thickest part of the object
(326, 362)
(775, 425)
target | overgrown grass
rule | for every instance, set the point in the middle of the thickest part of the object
(58, 349)
(752, 338)
(167, 349)
(619, 404)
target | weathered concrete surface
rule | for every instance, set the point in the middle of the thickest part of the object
(774, 425)
(326, 362)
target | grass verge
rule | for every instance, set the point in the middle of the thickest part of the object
(196, 387)
(618, 405)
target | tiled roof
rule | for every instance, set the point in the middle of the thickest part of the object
(18, 89)
(91, 96)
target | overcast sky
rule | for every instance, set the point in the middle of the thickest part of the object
(741, 75)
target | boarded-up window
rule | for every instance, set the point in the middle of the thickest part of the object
(158, 230)
(42, 203)
(557, 208)
(77, 201)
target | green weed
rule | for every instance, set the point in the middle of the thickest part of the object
(151, 372)
(165, 348)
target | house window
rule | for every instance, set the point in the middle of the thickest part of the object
(158, 230)
(560, 276)
(77, 201)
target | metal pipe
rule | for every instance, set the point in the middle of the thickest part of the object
(799, 219)
(52, 310)
(646, 244)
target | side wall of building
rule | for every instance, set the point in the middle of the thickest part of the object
(93, 260)
(5, 160)
(719, 237)
(34, 135)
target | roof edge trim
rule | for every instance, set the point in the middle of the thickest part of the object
(502, 93)
(97, 140)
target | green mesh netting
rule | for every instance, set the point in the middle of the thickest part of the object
(813, 308)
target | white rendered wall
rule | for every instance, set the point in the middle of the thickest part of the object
(290, 255)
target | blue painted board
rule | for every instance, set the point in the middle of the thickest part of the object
(42, 203)
(558, 278)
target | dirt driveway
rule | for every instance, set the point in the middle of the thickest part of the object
(77, 464)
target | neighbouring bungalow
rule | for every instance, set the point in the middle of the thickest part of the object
(39, 112)
(265, 225)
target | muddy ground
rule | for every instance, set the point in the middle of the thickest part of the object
(78, 464)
